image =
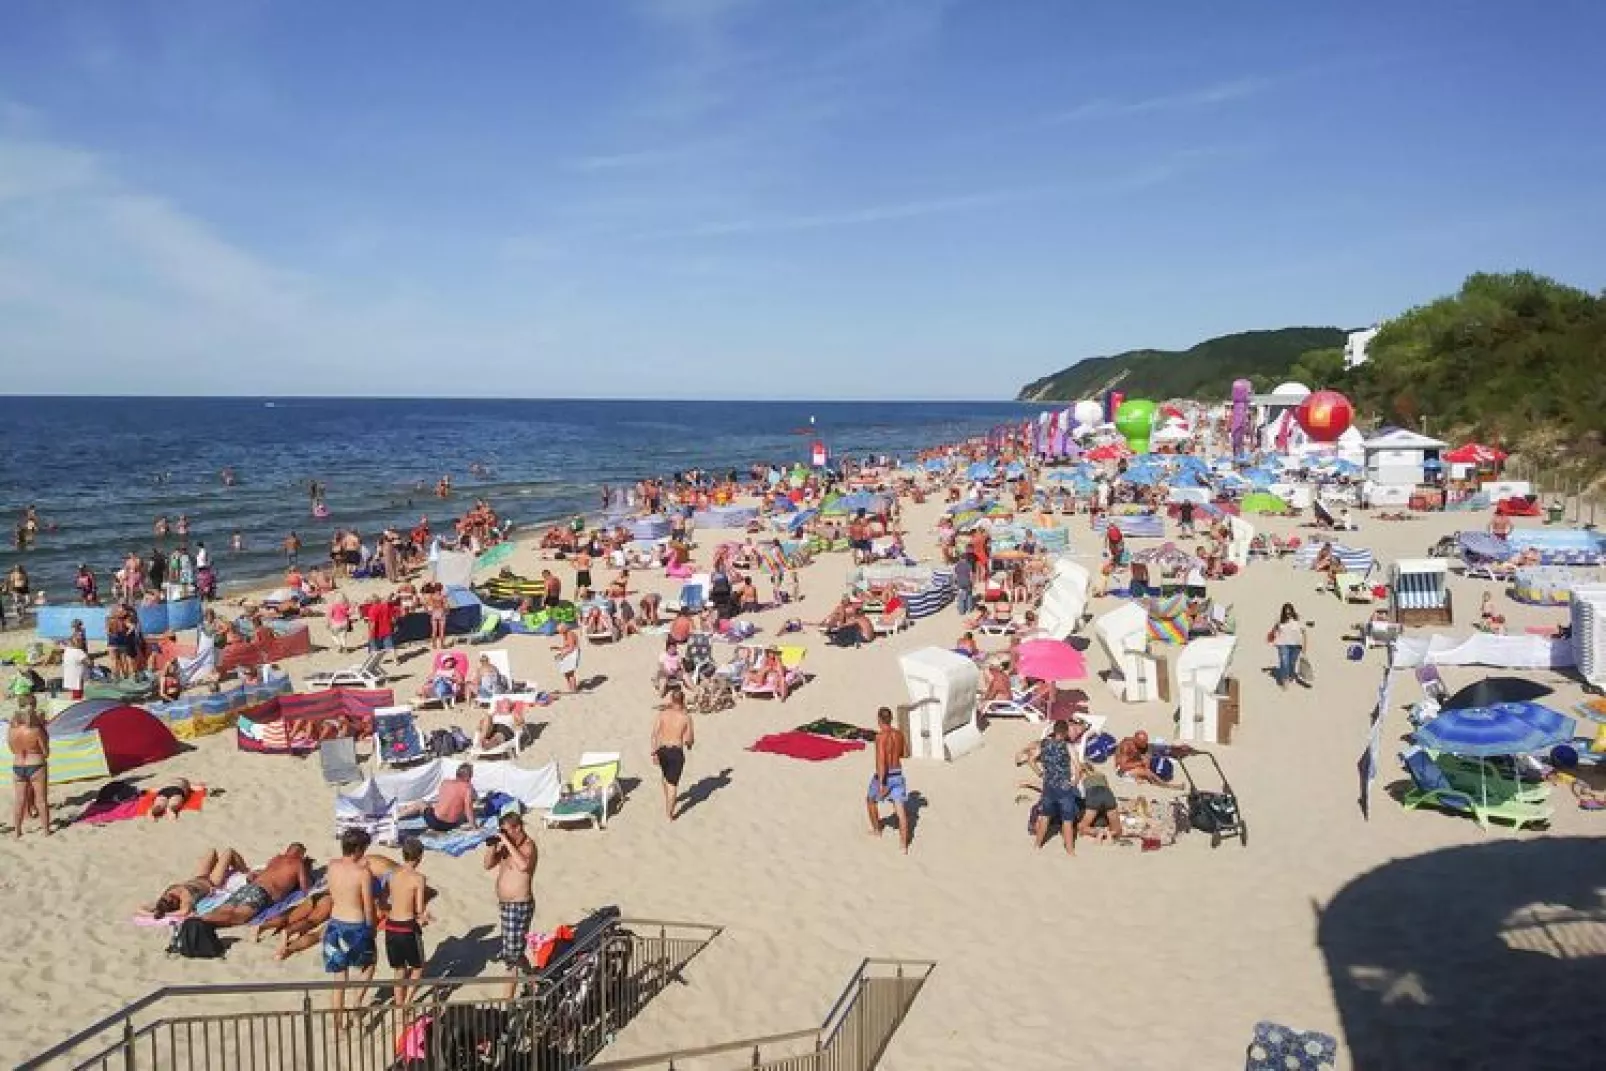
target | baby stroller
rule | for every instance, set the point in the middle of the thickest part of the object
(1215, 813)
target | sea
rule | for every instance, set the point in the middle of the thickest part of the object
(101, 470)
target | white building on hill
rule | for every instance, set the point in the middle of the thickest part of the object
(1355, 347)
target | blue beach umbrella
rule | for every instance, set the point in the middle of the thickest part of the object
(1503, 729)
(935, 464)
(1014, 470)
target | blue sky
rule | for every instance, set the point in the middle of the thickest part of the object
(759, 198)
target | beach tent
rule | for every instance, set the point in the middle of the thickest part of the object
(103, 738)
(943, 686)
(1261, 502)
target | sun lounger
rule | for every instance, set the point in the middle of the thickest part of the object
(338, 760)
(592, 790)
(791, 665)
(364, 675)
(507, 749)
(1353, 587)
(1019, 705)
(1479, 777)
(397, 741)
(1430, 786)
(518, 691)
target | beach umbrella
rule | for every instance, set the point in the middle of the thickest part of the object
(1050, 660)
(856, 501)
(1502, 729)
(1494, 691)
(980, 470)
(1014, 470)
(935, 464)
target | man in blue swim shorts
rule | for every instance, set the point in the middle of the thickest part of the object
(888, 785)
(348, 936)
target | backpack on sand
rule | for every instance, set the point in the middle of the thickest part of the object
(194, 939)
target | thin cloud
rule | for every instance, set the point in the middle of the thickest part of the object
(857, 217)
(1202, 97)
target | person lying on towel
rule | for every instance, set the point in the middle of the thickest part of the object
(211, 872)
(285, 873)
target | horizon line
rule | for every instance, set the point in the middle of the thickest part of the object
(505, 398)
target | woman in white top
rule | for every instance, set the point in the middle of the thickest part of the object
(1288, 636)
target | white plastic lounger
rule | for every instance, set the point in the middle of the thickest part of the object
(518, 691)
(365, 675)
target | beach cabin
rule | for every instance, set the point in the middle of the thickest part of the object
(1124, 634)
(1207, 699)
(1064, 602)
(1397, 460)
(943, 686)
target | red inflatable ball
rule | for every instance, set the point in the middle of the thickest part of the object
(1325, 415)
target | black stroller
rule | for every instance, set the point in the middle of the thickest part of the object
(1215, 813)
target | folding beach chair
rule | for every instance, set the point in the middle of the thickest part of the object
(1019, 705)
(591, 792)
(506, 749)
(397, 741)
(1430, 786)
(364, 675)
(338, 759)
(518, 690)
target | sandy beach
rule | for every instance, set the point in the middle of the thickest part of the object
(1114, 958)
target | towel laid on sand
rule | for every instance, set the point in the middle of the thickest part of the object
(805, 746)
(214, 901)
(836, 730)
(101, 814)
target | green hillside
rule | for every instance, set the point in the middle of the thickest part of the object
(1205, 371)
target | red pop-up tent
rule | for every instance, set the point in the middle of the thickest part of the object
(1475, 454)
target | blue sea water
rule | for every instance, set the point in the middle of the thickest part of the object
(100, 470)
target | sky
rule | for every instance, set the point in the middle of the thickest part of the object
(759, 198)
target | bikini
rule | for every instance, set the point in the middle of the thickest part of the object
(25, 772)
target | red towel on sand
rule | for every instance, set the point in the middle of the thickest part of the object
(806, 746)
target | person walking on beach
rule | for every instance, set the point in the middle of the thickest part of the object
(292, 549)
(887, 783)
(348, 936)
(512, 854)
(381, 615)
(672, 736)
(405, 922)
(1051, 759)
(30, 766)
(568, 656)
(1288, 636)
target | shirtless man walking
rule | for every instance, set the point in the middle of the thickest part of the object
(513, 856)
(672, 736)
(887, 784)
(348, 936)
(283, 874)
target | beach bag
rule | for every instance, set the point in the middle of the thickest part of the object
(1100, 747)
(115, 792)
(1305, 671)
(194, 939)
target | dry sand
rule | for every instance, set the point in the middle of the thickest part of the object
(1115, 958)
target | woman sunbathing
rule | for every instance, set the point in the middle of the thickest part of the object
(211, 872)
(769, 674)
(171, 798)
(1488, 619)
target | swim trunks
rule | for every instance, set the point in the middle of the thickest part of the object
(347, 945)
(251, 895)
(404, 944)
(897, 790)
(516, 919)
(672, 762)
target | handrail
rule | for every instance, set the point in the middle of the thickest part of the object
(124, 1016)
(706, 1050)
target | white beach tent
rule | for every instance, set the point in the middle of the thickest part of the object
(1123, 633)
(1202, 687)
(943, 687)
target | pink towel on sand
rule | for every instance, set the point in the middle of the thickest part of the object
(805, 746)
(100, 814)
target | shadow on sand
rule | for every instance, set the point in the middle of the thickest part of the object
(1485, 956)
